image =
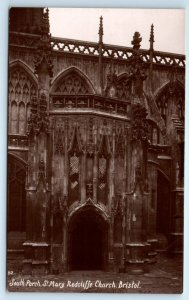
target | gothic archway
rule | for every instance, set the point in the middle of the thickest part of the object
(87, 241)
(72, 82)
(170, 100)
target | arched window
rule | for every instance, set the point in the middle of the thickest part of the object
(170, 100)
(21, 89)
(72, 82)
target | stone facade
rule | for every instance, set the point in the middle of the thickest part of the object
(95, 150)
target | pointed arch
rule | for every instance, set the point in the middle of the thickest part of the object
(87, 238)
(75, 144)
(19, 63)
(104, 146)
(22, 87)
(84, 207)
(170, 99)
(162, 88)
(72, 80)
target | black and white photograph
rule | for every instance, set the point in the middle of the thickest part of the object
(95, 177)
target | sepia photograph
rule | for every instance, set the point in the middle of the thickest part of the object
(96, 114)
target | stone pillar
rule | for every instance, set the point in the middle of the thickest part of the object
(138, 197)
(177, 199)
(137, 246)
(37, 250)
(152, 205)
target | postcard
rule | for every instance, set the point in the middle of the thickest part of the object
(96, 101)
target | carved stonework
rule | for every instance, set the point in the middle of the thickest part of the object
(39, 120)
(118, 86)
(124, 87)
(33, 119)
(41, 172)
(139, 129)
(89, 190)
(21, 91)
(111, 87)
(171, 101)
(103, 167)
(59, 140)
(156, 114)
(137, 69)
(43, 120)
(44, 51)
(75, 152)
(90, 149)
(73, 84)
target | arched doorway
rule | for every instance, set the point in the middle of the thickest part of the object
(87, 241)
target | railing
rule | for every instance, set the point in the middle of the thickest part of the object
(114, 106)
(164, 58)
(115, 52)
(74, 46)
(18, 141)
(62, 45)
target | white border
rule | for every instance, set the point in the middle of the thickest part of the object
(4, 5)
